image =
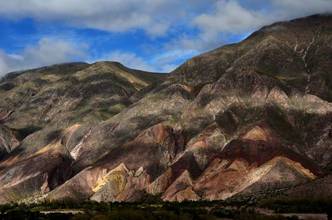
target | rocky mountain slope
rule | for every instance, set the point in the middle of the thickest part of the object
(244, 119)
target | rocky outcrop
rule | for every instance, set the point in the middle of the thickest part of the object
(181, 189)
(8, 140)
(121, 185)
(5, 116)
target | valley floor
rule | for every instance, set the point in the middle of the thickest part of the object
(185, 210)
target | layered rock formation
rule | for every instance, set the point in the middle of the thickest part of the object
(244, 119)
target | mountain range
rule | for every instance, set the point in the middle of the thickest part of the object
(246, 119)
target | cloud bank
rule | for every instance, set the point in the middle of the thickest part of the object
(48, 51)
(153, 16)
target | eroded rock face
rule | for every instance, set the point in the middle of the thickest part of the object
(121, 185)
(8, 141)
(125, 173)
(226, 178)
(244, 119)
(181, 189)
(207, 144)
(35, 175)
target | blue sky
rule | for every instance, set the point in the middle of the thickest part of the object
(154, 35)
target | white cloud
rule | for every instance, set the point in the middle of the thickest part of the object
(3, 63)
(153, 16)
(169, 59)
(298, 8)
(128, 59)
(46, 52)
(230, 17)
(156, 17)
(50, 51)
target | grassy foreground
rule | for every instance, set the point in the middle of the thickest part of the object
(162, 210)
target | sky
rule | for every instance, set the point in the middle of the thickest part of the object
(152, 35)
